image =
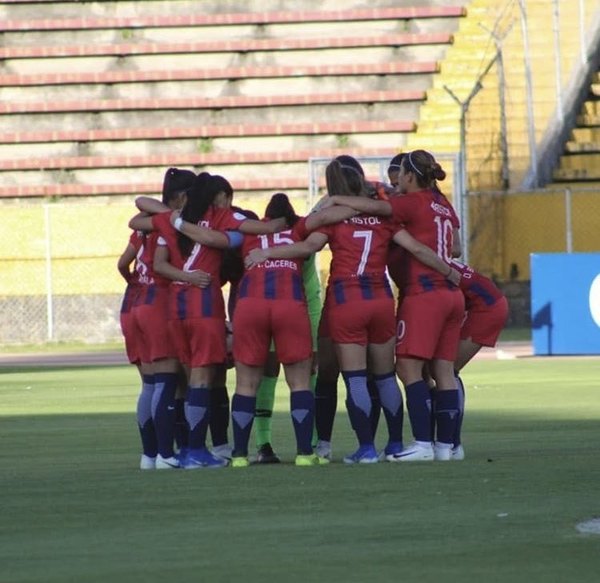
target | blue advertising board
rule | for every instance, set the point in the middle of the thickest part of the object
(565, 303)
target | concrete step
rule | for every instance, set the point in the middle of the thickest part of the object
(215, 9)
(207, 139)
(190, 58)
(118, 169)
(232, 73)
(590, 174)
(296, 84)
(581, 161)
(190, 27)
(79, 115)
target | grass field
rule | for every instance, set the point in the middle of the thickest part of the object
(75, 507)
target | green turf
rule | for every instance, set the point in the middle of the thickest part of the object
(515, 334)
(75, 508)
(61, 347)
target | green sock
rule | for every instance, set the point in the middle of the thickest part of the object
(265, 399)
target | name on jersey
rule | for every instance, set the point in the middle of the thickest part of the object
(279, 263)
(365, 220)
(440, 209)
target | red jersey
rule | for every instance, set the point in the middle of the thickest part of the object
(480, 291)
(185, 300)
(429, 217)
(359, 247)
(275, 279)
(132, 291)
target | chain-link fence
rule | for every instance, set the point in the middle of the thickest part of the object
(506, 227)
(59, 281)
(58, 268)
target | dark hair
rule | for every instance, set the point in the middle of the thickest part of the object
(345, 179)
(223, 185)
(424, 166)
(396, 162)
(280, 206)
(175, 182)
(200, 198)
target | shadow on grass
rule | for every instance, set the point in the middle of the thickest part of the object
(75, 507)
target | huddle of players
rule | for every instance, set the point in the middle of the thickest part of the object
(173, 316)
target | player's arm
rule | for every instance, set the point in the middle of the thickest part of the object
(150, 205)
(456, 246)
(141, 222)
(125, 261)
(329, 216)
(164, 268)
(364, 205)
(254, 227)
(200, 234)
(426, 256)
(313, 243)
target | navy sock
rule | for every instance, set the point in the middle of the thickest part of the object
(144, 417)
(302, 407)
(242, 416)
(182, 429)
(418, 403)
(197, 414)
(163, 411)
(359, 405)
(461, 410)
(219, 415)
(446, 414)
(325, 408)
(375, 404)
(391, 401)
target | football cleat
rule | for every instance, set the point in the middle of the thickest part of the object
(239, 462)
(442, 452)
(147, 462)
(419, 451)
(266, 455)
(202, 458)
(458, 453)
(323, 449)
(167, 463)
(391, 449)
(310, 459)
(365, 454)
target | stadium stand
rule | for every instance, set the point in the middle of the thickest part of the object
(88, 93)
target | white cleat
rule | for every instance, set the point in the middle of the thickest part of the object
(147, 462)
(167, 463)
(442, 452)
(458, 453)
(323, 449)
(419, 451)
